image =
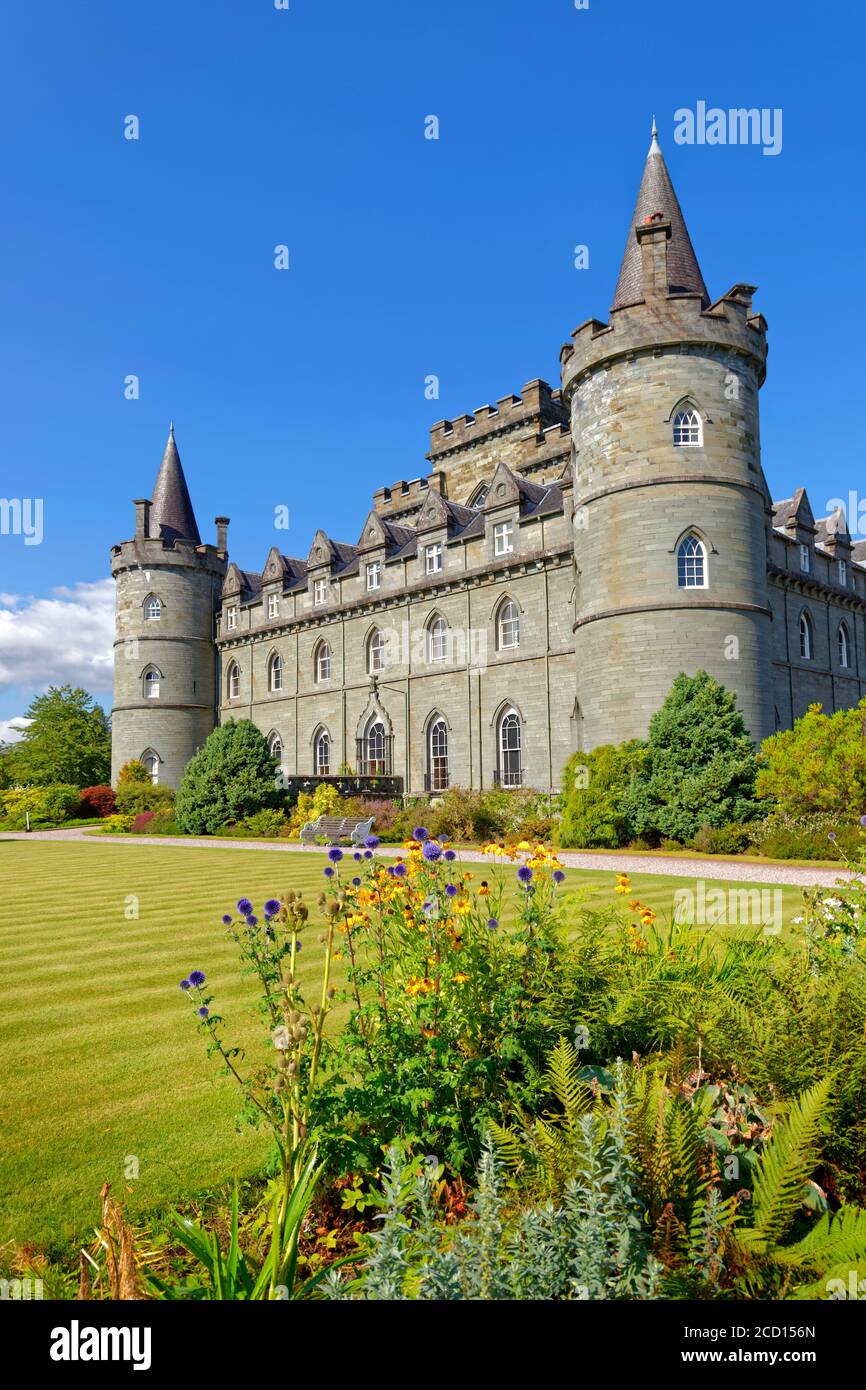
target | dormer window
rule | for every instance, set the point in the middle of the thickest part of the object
(805, 559)
(842, 573)
(479, 497)
(433, 559)
(320, 592)
(688, 431)
(374, 576)
(152, 609)
(503, 538)
(231, 618)
(273, 605)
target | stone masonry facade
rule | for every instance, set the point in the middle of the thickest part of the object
(566, 555)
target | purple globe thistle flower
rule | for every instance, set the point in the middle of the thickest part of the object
(368, 854)
(399, 870)
(272, 907)
(244, 906)
(357, 856)
(863, 821)
(196, 977)
(252, 920)
(328, 872)
(372, 841)
(449, 855)
(492, 923)
(227, 919)
(524, 873)
(203, 1012)
(335, 854)
(420, 834)
(356, 883)
(558, 876)
(298, 945)
(832, 835)
(450, 890)
(185, 985)
(432, 851)
(430, 905)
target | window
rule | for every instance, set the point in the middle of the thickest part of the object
(508, 625)
(437, 757)
(691, 564)
(234, 681)
(275, 672)
(433, 559)
(376, 653)
(375, 749)
(273, 605)
(231, 618)
(152, 609)
(437, 640)
(806, 639)
(479, 497)
(151, 683)
(320, 592)
(503, 538)
(842, 572)
(805, 559)
(150, 761)
(510, 771)
(687, 428)
(275, 744)
(374, 575)
(323, 662)
(322, 753)
(844, 645)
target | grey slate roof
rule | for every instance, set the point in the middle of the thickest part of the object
(171, 515)
(656, 194)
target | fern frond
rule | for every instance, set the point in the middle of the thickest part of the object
(838, 1238)
(782, 1169)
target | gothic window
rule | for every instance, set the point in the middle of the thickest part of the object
(322, 753)
(807, 644)
(437, 756)
(151, 683)
(691, 563)
(275, 673)
(508, 625)
(437, 640)
(376, 653)
(844, 645)
(275, 744)
(152, 609)
(323, 662)
(233, 681)
(510, 773)
(375, 749)
(479, 497)
(150, 760)
(687, 428)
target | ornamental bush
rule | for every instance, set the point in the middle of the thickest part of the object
(593, 786)
(232, 776)
(49, 805)
(699, 768)
(324, 801)
(135, 797)
(133, 771)
(96, 801)
(818, 766)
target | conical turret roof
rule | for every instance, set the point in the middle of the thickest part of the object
(171, 515)
(656, 195)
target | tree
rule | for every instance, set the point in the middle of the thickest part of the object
(134, 772)
(68, 739)
(700, 764)
(593, 786)
(819, 765)
(232, 776)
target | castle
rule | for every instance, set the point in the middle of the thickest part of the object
(568, 553)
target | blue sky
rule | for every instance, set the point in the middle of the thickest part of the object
(409, 257)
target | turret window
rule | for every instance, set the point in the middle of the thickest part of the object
(807, 642)
(688, 431)
(151, 683)
(844, 645)
(275, 673)
(150, 760)
(691, 563)
(233, 683)
(152, 609)
(275, 744)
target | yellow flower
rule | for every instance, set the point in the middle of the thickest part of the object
(460, 978)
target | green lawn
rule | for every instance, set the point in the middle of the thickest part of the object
(102, 1061)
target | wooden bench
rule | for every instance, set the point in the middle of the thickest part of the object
(334, 828)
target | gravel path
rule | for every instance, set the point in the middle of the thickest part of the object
(739, 870)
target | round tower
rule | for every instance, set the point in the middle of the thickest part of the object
(670, 500)
(168, 591)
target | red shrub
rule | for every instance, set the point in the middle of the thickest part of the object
(96, 801)
(142, 822)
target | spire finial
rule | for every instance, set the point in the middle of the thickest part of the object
(171, 429)
(655, 147)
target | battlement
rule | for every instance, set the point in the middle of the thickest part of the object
(148, 552)
(404, 497)
(536, 405)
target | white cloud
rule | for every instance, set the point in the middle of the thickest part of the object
(66, 638)
(10, 729)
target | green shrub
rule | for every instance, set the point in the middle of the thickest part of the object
(133, 771)
(782, 836)
(232, 776)
(118, 824)
(133, 798)
(721, 839)
(268, 823)
(818, 766)
(593, 785)
(50, 805)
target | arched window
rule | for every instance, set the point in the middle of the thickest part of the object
(275, 744)
(323, 662)
(150, 760)
(844, 645)
(437, 639)
(691, 563)
(479, 497)
(510, 773)
(275, 672)
(807, 644)
(375, 749)
(233, 681)
(687, 428)
(152, 609)
(376, 653)
(508, 625)
(437, 756)
(151, 683)
(322, 754)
